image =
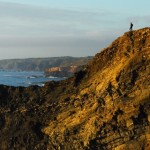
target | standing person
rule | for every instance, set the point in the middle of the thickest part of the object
(131, 26)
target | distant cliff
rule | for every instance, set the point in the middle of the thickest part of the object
(104, 106)
(41, 64)
(62, 71)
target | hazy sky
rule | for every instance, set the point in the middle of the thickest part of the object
(48, 28)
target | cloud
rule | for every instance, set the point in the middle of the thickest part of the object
(44, 47)
(16, 18)
(34, 31)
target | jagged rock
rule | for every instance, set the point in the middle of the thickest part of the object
(104, 106)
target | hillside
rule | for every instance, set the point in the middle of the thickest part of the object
(104, 106)
(40, 64)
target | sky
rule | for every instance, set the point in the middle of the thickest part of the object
(54, 28)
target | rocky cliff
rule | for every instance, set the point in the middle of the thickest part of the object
(62, 71)
(104, 106)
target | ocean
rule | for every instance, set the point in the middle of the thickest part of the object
(24, 78)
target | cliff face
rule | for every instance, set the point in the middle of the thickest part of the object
(104, 106)
(62, 71)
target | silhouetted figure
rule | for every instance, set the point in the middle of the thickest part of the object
(131, 26)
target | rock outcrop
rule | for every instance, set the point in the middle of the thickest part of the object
(104, 106)
(62, 71)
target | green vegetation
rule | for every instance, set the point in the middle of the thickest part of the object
(40, 64)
